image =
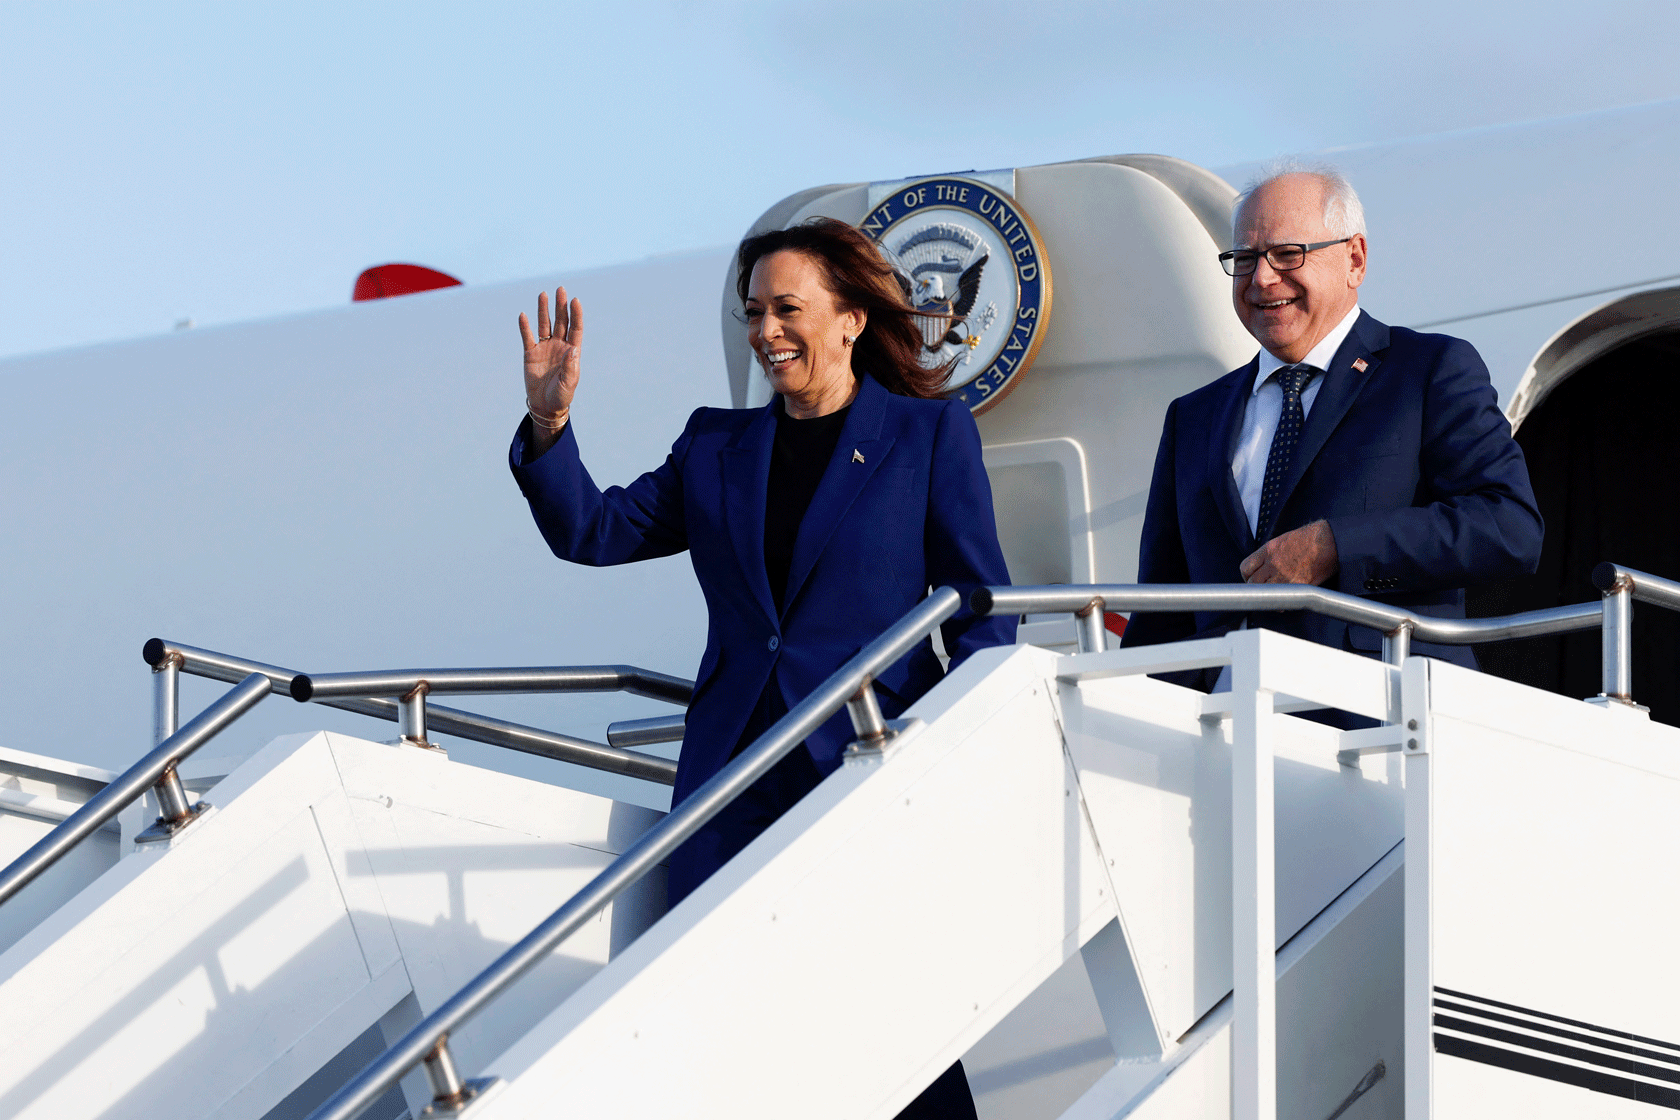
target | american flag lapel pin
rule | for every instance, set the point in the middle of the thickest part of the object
(857, 456)
(1360, 364)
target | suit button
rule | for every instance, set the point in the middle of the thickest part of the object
(775, 643)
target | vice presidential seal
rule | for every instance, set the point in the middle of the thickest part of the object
(969, 258)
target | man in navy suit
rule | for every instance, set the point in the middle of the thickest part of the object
(1370, 459)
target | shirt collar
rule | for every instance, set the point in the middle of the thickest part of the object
(1319, 357)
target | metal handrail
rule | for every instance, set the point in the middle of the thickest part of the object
(1610, 578)
(1620, 587)
(849, 687)
(1612, 615)
(157, 769)
(609, 758)
(412, 686)
(644, 732)
(169, 656)
(1253, 1058)
(1283, 597)
(361, 693)
(571, 678)
(214, 666)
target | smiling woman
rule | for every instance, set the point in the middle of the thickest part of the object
(828, 270)
(813, 522)
(801, 334)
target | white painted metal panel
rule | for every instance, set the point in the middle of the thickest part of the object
(1549, 914)
(36, 793)
(1043, 1055)
(938, 889)
(333, 880)
(330, 492)
(1473, 1090)
(234, 931)
(1338, 1018)
(862, 944)
(1157, 777)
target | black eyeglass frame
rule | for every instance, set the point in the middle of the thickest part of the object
(1228, 260)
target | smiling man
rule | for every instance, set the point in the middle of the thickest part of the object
(1367, 458)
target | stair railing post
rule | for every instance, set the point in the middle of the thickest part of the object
(867, 720)
(448, 1090)
(1253, 888)
(173, 805)
(166, 698)
(1616, 642)
(1396, 647)
(1093, 633)
(411, 716)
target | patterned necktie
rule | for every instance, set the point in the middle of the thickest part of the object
(1284, 442)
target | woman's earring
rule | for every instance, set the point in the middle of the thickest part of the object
(850, 339)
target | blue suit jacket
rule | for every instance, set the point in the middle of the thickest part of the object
(1409, 460)
(917, 511)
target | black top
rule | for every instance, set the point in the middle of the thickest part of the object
(797, 461)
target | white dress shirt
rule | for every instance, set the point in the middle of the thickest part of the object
(1265, 409)
(1260, 423)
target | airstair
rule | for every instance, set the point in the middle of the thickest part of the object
(1462, 910)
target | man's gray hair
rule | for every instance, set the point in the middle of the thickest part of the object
(1343, 214)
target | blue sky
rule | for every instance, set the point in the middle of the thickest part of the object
(224, 162)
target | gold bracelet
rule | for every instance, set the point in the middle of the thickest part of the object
(547, 422)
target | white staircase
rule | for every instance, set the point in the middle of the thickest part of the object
(902, 911)
(36, 795)
(1054, 822)
(336, 886)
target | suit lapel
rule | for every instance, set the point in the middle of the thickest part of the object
(746, 478)
(842, 481)
(1222, 449)
(1343, 382)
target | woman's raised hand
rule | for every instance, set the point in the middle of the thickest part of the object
(552, 361)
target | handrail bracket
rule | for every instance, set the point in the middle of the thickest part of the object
(451, 1097)
(177, 812)
(875, 734)
(1091, 625)
(411, 716)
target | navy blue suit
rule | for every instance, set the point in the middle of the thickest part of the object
(1409, 460)
(904, 504)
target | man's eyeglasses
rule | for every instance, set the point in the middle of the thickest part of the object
(1282, 258)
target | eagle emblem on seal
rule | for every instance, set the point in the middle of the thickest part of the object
(972, 268)
(939, 268)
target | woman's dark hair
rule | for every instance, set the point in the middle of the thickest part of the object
(857, 275)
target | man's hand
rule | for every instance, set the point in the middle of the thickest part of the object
(1304, 555)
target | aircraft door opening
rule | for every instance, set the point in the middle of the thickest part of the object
(1601, 449)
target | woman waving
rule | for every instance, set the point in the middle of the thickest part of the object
(813, 523)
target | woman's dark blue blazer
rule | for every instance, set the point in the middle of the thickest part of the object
(903, 505)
